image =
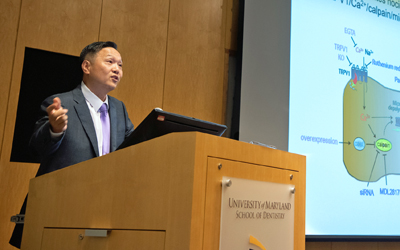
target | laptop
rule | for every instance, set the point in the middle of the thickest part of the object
(160, 122)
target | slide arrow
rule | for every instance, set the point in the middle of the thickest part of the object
(391, 117)
(372, 131)
(377, 153)
(386, 126)
(350, 63)
(353, 42)
(384, 160)
(364, 96)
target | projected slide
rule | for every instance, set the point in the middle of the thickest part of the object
(371, 125)
(345, 113)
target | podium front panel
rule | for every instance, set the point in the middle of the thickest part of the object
(67, 239)
(217, 168)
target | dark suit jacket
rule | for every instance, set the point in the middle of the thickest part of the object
(79, 141)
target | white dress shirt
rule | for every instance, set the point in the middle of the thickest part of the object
(94, 103)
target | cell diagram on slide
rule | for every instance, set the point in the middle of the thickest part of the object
(371, 128)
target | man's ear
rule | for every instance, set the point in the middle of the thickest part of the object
(86, 67)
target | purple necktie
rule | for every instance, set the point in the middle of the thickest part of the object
(105, 124)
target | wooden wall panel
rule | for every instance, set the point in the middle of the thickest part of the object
(354, 245)
(53, 25)
(318, 245)
(388, 245)
(140, 30)
(9, 17)
(195, 59)
(232, 21)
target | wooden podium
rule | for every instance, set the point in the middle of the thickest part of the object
(161, 194)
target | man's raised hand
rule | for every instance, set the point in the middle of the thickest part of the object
(57, 116)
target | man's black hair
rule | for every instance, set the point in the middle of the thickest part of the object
(93, 48)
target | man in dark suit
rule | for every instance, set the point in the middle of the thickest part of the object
(72, 128)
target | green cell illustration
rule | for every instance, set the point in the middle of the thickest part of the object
(371, 128)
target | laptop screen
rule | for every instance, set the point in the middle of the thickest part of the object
(160, 122)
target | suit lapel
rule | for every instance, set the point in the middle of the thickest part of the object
(113, 124)
(84, 116)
